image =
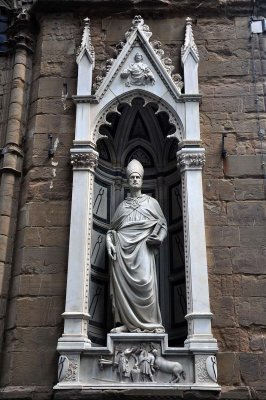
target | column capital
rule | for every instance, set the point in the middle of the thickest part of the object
(84, 159)
(190, 158)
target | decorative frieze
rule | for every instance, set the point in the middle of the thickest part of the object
(84, 160)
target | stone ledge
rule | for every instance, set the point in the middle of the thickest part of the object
(133, 395)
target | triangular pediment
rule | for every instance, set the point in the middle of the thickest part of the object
(139, 64)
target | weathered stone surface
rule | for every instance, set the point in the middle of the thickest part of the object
(28, 338)
(250, 368)
(50, 214)
(39, 285)
(232, 339)
(249, 189)
(42, 260)
(215, 213)
(35, 236)
(5, 273)
(224, 314)
(253, 286)
(222, 260)
(246, 213)
(248, 260)
(257, 342)
(251, 311)
(223, 236)
(228, 366)
(253, 236)
(39, 311)
(31, 368)
(243, 166)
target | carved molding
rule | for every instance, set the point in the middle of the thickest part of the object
(85, 160)
(191, 160)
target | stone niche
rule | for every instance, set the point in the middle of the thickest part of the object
(135, 360)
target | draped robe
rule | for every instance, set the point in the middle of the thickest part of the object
(133, 282)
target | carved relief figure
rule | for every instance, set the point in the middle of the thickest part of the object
(137, 230)
(138, 73)
(146, 365)
(171, 367)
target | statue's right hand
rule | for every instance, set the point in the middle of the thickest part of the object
(111, 251)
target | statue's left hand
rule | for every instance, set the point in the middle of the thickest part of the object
(153, 240)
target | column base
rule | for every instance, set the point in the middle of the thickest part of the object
(73, 343)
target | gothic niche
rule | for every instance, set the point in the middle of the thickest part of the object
(139, 130)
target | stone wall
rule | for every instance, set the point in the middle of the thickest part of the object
(234, 196)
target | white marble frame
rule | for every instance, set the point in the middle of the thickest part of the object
(183, 111)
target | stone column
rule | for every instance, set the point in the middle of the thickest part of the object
(190, 160)
(76, 315)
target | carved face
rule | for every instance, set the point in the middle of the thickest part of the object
(138, 57)
(135, 181)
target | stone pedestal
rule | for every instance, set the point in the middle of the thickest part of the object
(134, 361)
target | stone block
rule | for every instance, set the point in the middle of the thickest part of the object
(235, 393)
(228, 367)
(215, 213)
(249, 189)
(257, 342)
(233, 339)
(35, 236)
(223, 310)
(29, 338)
(246, 213)
(5, 273)
(250, 368)
(222, 236)
(226, 190)
(33, 368)
(242, 26)
(253, 236)
(251, 312)
(60, 48)
(36, 312)
(52, 214)
(210, 189)
(253, 286)
(54, 189)
(248, 260)
(223, 29)
(49, 87)
(222, 104)
(39, 285)
(227, 285)
(222, 261)
(213, 167)
(41, 260)
(242, 166)
(225, 68)
(51, 123)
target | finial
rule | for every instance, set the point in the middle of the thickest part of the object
(86, 44)
(189, 39)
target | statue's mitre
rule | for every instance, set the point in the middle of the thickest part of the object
(135, 167)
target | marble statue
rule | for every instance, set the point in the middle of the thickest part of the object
(138, 73)
(138, 228)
